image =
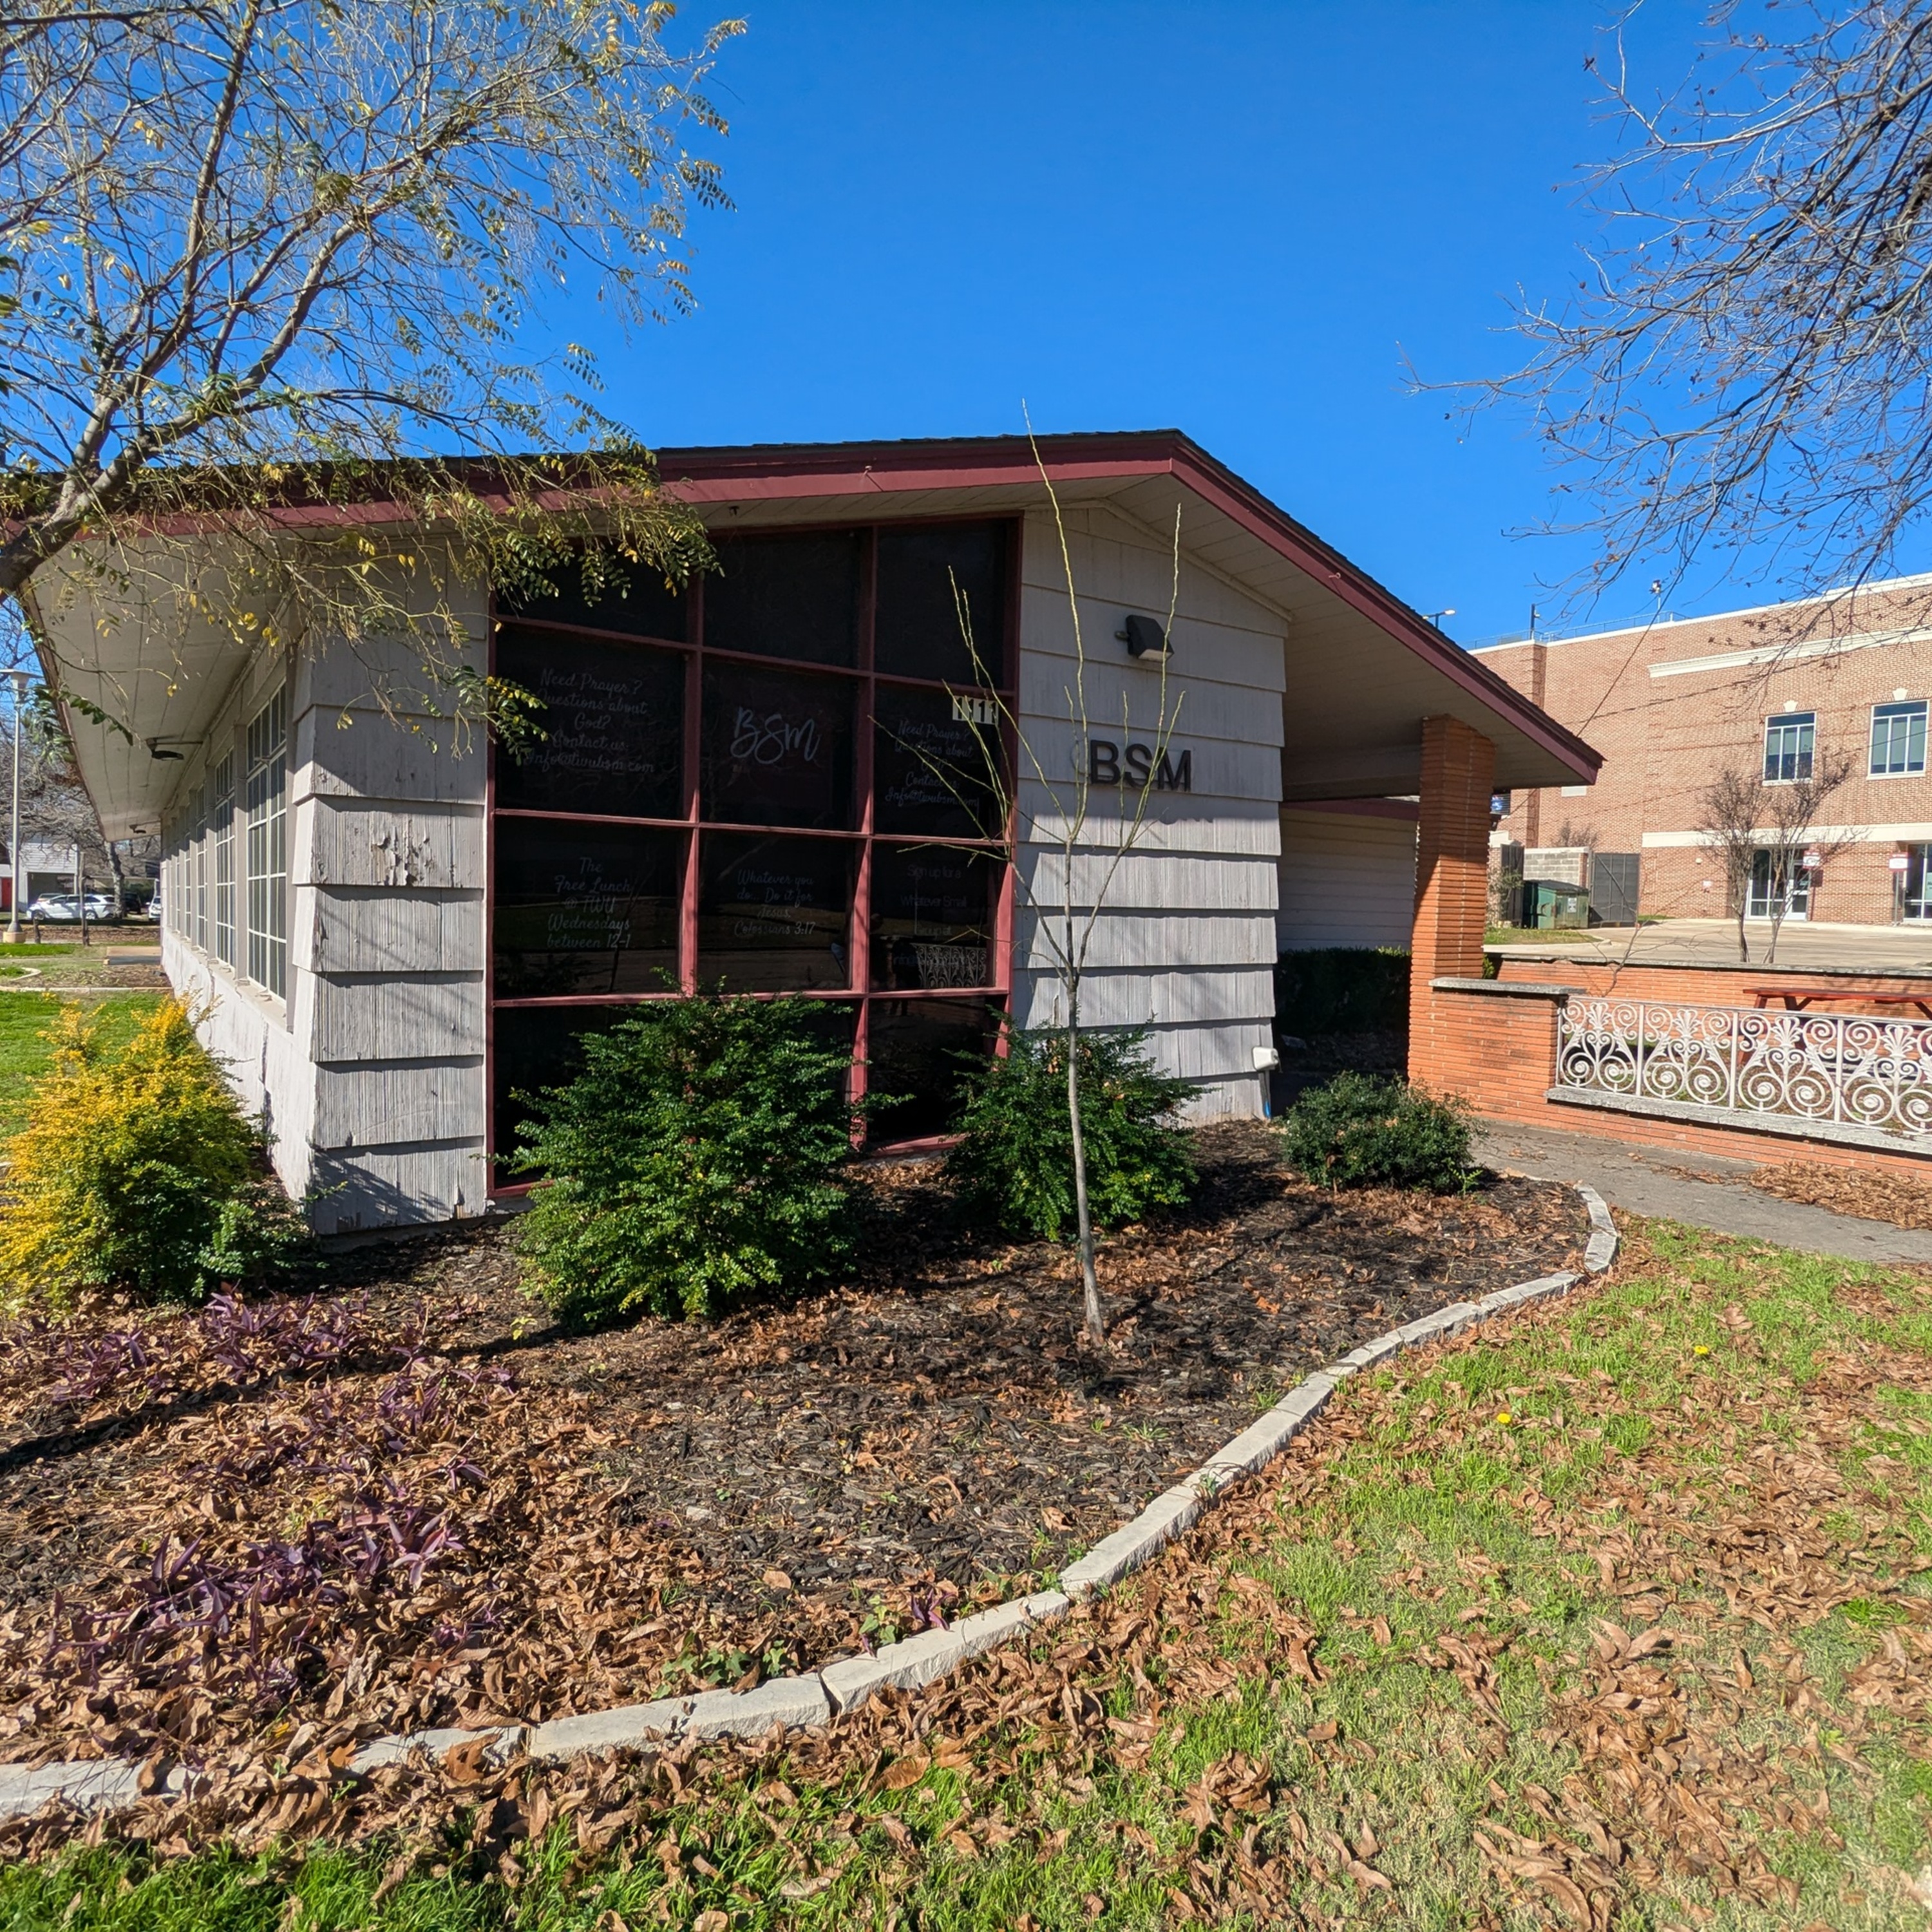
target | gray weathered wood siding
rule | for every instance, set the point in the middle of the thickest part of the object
(370, 1070)
(1184, 937)
(387, 879)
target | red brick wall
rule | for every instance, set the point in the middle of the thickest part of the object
(1497, 1051)
(1451, 876)
(1766, 1150)
(1663, 738)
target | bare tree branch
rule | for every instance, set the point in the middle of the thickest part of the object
(1742, 377)
(261, 260)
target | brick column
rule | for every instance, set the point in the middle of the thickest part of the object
(1452, 882)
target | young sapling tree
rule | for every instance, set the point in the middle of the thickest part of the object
(1070, 823)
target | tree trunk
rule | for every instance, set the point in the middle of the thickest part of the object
(1781, 877)
(1743, 907)
(1089, 1280)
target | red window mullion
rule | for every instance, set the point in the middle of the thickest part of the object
(862, 763)
(865, 675)
(694, 692)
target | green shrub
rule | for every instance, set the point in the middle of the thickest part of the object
(1341, 989)
(1362, 1130)
(695, 1160)
(1015, 1158)
(136, 1169)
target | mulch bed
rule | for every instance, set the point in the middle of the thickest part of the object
(409, 1501)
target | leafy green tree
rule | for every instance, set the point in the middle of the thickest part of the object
(257, 258)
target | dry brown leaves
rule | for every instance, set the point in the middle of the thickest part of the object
(1696, 1734)
(1871, 1195)
(419, 1516)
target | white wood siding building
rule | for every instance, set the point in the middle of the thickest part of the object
(371, 1043)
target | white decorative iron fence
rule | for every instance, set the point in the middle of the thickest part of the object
(1869, 1079)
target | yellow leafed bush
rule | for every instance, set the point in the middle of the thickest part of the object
(135, 1169)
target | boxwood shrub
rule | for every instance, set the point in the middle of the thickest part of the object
(1014, 1160)
(694, 1161)
(1362, 1130)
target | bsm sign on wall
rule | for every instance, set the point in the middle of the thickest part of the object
(1108, 764)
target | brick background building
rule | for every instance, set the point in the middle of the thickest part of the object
(1671, 704)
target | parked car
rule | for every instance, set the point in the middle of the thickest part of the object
(63, 908)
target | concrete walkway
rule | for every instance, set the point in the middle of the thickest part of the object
(1714, 942)
(1705, 1190)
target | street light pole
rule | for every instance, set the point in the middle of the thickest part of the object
(13, 831)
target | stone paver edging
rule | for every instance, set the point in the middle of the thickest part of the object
(819, 1696)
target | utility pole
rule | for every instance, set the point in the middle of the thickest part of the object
(14, 834)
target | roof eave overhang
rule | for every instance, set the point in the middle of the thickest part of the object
(714, 480)
(792, 473)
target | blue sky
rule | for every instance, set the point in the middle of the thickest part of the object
(1233, 218)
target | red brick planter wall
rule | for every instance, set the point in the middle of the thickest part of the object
(1496, 1049)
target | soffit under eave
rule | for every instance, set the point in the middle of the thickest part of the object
(166, 681)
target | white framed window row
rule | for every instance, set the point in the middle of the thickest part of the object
(1898, 739)
(237, 914)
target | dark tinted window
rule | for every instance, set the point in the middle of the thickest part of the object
(613, 715)
(917, 631)
(918, 1055)
(778, 747)
(773, 914)
(929, 765)
(632, 598)
(580, 909)
(932, 916)
(533, 1047)
(786, 597)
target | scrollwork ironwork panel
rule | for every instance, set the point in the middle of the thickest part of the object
(1848, 1069)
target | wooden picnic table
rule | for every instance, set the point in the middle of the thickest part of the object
(1797, 998)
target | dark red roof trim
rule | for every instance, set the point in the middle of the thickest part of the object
(765, 472)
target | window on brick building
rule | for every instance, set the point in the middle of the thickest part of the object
(1788, 742)
(1915, 883)
(1897, 739)
(1778, 889)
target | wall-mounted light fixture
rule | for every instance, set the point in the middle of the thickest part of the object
(1141, 635)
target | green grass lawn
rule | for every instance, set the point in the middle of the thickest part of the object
(25, 1049)
(1533, 935)
(1615, 1615)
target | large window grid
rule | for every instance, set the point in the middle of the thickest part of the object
(222, 784)
(265, 798)
(818, 892)
(198, 906)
